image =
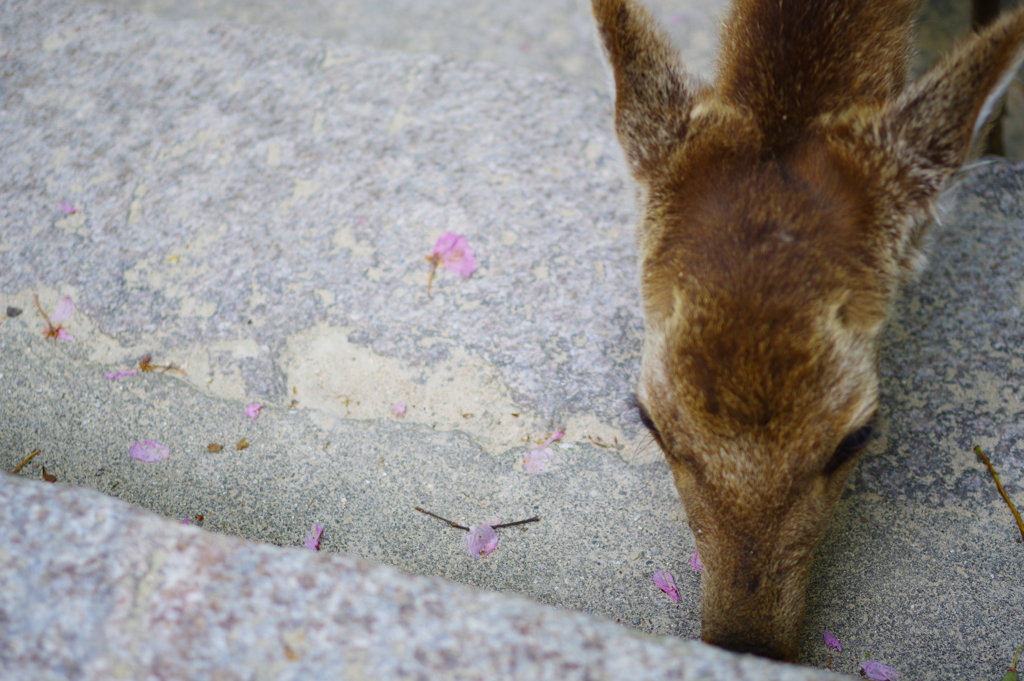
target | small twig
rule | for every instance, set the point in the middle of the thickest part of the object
(434, 260)
(27, 459)
(39, 307)
(1013, 665)
(144, 365)
(534, 519)
(999, 486)
(434, 515)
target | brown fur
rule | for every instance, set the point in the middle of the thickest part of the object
(781, 210)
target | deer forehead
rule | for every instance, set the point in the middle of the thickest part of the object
(713, 376)
(765, 293)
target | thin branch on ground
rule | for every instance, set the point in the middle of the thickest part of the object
(534, 519)
(999, 486)
(25, 461)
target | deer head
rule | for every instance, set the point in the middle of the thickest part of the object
(781, 208)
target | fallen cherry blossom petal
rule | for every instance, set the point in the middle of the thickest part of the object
(312, 540)
(398, 409)
(452, 252)
(832, 642)
(695, 562)
(148, 451)
(118, 375)
(536, 459)
(66, 207)
(187, 520)
(877, 671)
(481, 540)
(557, 435)
(65, 308)
(253, 410)
(664, 580)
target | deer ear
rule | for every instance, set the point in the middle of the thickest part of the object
(652, 95)
(942, 117)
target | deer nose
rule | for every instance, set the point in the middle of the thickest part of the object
(749, 610)
(742, 642)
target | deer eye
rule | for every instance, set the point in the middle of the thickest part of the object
(645, 418)
(850, 445)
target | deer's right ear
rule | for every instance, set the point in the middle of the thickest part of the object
(652, 95)
(942, 117)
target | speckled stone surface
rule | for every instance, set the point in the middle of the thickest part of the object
(254, 207)
(264, 185)
(92, 588)
(555, 37)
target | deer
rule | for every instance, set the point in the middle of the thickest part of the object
(781, 207)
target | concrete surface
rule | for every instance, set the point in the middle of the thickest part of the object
(130, 595)
(255, 206)
(554, 37)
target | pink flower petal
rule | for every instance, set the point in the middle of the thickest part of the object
(66, 207)
(148, 451)
(187, 520)
(253, 410)
(63, 334)
(695, 562)
(537, 459)
(481, 540)
(664, 580)
(118, 375)
(312, 540)
(65, 308)
(832, 642)
(557, 435)
(874, 669)
(398, 409)
(446, 244)
(454, 254)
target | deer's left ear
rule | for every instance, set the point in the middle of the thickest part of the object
(653, 97)
(942, 117)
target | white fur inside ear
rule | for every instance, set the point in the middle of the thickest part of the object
(993, 98)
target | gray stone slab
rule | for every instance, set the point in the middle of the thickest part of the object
(92, 588)
(265, 184)
(255, 207)
(554, 37)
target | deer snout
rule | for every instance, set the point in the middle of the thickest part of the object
(766, 644)
(753, 597)
(734, 619)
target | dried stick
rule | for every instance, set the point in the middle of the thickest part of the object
(39, 307)
(999, 486)
(434, 515)
(534, 519)
(25, 461)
